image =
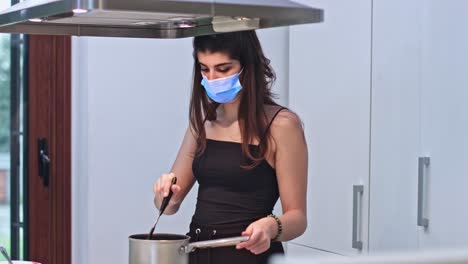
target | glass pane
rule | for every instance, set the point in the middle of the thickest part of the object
(4, 137)
(5, 140)
(12, 134)
(21, 129)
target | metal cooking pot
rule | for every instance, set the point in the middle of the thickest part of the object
(170, 248)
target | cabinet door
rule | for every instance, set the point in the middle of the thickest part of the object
(330, 91)
(445, 123)
(395, 139)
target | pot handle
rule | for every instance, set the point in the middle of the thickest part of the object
(222, 242)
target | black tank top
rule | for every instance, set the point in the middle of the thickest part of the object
(227, 193)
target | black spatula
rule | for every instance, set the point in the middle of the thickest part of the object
(164, 204)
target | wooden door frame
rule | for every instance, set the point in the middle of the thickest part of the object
(50, 118)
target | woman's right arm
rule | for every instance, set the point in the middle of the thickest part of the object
(182, 169)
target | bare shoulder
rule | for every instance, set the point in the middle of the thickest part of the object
(286, 121)
(286, 128)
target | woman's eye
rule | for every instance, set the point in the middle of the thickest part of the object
(224, 70)
(204, 70)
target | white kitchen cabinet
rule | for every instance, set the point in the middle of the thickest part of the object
(444, 123)
(395, 123)
(330, 91)
(419, 95)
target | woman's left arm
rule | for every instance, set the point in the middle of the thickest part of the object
(291, 161)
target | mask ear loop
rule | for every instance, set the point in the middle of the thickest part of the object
(239, 74)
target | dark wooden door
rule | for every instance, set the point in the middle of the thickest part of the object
(50, 173)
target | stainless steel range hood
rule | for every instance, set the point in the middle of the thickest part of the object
(151, 18)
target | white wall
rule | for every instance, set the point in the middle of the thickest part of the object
(130, 110)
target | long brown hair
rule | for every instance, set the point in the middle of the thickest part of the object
(256, 79)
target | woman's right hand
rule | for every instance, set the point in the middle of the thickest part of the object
(161, 190)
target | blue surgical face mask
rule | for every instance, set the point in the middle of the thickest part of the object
(222, 90)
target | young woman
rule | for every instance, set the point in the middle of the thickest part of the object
(243, 149)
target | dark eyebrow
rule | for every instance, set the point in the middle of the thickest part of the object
(217, 65)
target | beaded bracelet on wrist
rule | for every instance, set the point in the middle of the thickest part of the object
(280, 226)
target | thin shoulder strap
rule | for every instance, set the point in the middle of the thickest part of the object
(271, 121)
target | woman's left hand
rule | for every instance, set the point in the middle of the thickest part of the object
(261, 232)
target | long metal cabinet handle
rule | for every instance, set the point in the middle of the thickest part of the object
(422, 162)
(357, 189)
